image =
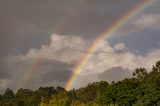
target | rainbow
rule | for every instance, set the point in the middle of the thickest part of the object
(27, 77)
(31, 71)
(114, 27)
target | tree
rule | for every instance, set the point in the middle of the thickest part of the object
(71, 96)
(140, 73)
(8, 94)
(89, 93)
(0, 97)
(46, 92)
(157, 66)
(59, 99)
(22, 97)
(7, 98)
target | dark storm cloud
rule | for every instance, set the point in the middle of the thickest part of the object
(115, 74)
(50, 72)
(26, 24)
(4, 74)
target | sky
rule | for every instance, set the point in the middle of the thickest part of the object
(42, 41)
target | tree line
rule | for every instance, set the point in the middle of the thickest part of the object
(143, 89)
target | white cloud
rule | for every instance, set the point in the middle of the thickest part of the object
(54, 63)
(62, 48)
(108, 57)
(69, 50)
(119, 55)
(119, 46)
(145, 21)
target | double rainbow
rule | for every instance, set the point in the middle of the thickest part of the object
(27, 78)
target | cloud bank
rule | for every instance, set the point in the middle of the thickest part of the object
(57, 59)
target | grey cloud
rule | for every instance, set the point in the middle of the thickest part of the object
(47, 72)
(28, 24)
(3, 73)
(115, 74)
(50, 73)
(52, 70)
(84, 80)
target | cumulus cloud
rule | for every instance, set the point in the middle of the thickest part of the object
(57, 59)
(49, 65)
(115, 63)
(62, 48)
(108, 57)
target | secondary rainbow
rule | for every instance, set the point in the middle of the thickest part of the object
(31, 71)
(114, 27)
(27, 77)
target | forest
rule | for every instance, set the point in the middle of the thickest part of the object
(143, 89)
